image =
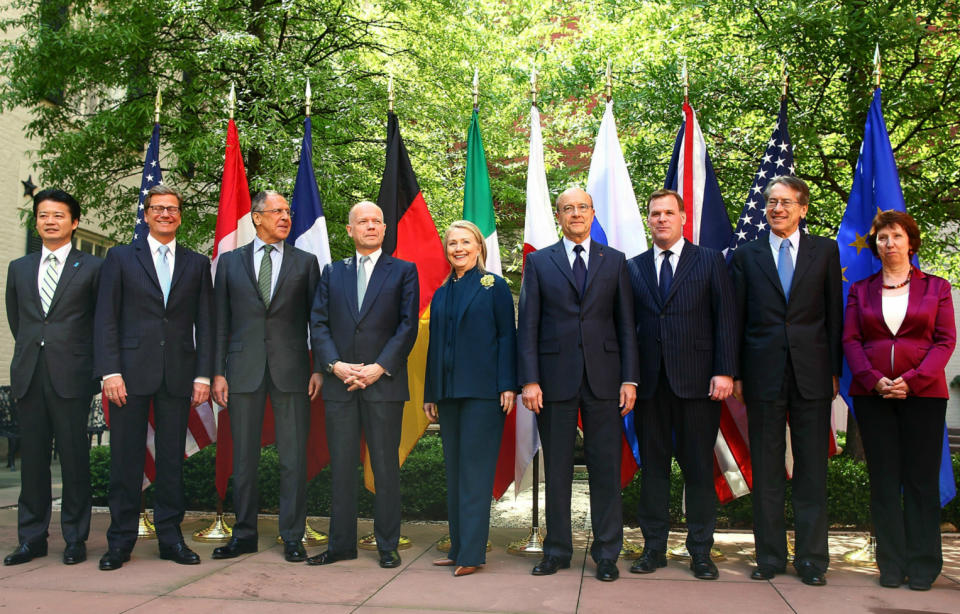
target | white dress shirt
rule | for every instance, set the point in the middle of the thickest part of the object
(61, 253)
(568, 245)
(276, 259)
(675, 250)
(775, 242)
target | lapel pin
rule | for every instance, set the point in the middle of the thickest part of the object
(76, 264)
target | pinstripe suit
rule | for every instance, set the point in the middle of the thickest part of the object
(689, 337)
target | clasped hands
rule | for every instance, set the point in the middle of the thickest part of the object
(892, 388)
(357, 375)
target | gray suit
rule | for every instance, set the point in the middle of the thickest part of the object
(51, 376)
(264, 351)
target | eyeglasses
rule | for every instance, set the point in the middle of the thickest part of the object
(158, 209)
(569, 209)
(785, 203)
(277, 212)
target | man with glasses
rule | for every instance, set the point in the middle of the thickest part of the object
(263, 293)
(578, 356)
(788, 289)
(153, 345)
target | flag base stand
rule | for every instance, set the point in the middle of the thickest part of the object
(680, 552)
(369, 542)
(630, 550)
(218, 531)
(311, 537)
(864, 556)
(531, 546)
(145, 529)
(444, 544)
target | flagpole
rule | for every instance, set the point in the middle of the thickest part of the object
(685, 81)
(390, 95)
(876, 67)
(608, 91)
(532, 545)
(308, 97)
(232, 100)
(785, 80)
(156, 106)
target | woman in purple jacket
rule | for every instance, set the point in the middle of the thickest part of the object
(898, 335)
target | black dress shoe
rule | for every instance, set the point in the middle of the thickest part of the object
(607, 570)
(766, 572)
(294, 552)
(549, 565)
(703, 568)
(234, 548)
(75, 553)
(810, 575)
(113, 559)
(180, 553)
(892, 580)
(918, 584)
(649, 561)
(26, 553)
(389, 559)
(326, 557)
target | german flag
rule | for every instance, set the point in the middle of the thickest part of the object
(412, 236)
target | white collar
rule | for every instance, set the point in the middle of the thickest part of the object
(675, 249)
(258, 243)
(61, 253)
(155, 244)
(568, 246)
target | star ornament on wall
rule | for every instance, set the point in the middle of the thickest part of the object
(28, 186)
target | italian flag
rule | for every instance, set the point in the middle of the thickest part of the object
(477, 200)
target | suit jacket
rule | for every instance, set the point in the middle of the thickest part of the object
(150, 344)
(66, 332)
(922, 346)
(808, 329)
(560, 334)
(382, 330)
(252, 338)
(484, 347)
(693, 333)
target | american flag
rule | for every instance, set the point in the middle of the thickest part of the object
(777, 161)
(151, 177)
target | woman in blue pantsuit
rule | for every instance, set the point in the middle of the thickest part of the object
(470, 386)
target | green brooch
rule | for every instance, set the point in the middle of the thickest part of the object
(486, 281)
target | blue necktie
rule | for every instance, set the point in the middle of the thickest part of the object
(579, 268)
(666, 274)
(163, 272)
(785, 268)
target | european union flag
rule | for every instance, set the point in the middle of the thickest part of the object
(876, 187)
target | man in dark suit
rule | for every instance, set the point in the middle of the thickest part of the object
(788, 289)
(51, 296)
(263, 293)
(363, 326)
(684, 307)
(153, 344)
(579, 353)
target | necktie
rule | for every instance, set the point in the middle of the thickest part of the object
(785, 268)
(666, 275)
(362, 280)
(49, 285)
(163, 272)
(579, 268)
(265, 276)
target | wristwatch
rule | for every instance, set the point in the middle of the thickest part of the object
(330, 366)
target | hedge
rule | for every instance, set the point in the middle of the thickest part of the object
(423, 489)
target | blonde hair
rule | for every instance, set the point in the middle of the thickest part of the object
(478, 237)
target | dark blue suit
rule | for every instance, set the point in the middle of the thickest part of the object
(470, 361)
(382, 330)
(580, 349)
(689, 337)
(159, 350)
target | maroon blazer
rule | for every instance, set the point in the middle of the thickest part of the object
(923, 344)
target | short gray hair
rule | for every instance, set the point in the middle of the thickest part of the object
(260, 199)
(163, 189)
(794, 183)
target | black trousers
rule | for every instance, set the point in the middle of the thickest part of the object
(809, 439)
(380, 423)
(291, 413)
(128, 436)
(602, 435)
(44, 415)
(903, 443)
(668, 425)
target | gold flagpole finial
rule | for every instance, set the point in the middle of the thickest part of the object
(876, 66)
(685, 81)
(476, 88)
(608, 91)
(232, 100)
(785, 80)
(308, 96)
(158, 102)
(533, 84)
(390, 94)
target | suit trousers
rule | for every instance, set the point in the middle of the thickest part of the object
(602, 434)
(809, 421)
(44, 417)
(380, 423)
(903, 443)
(668, 425)
(471, 430)
(128, 434)
(291, 415)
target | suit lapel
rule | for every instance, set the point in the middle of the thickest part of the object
(146, 261)
(286, 264)
(559, 257)
(33, 275)
(918, 289)
(380, 273)
(179, 264)
(766, 263)
(246, 256)
(74, 260)
(350, 286)
(596, 261)
(648, 270)
(806, 254)
(684, 265)
(875, 299)
(468, 298)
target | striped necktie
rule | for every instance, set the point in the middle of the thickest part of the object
(265, 276)
(49, 285)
